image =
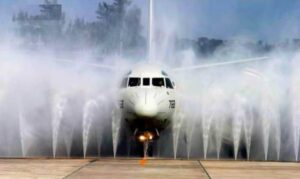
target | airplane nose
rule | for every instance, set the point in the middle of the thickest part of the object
(148, 109)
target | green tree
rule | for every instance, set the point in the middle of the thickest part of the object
(111, 23)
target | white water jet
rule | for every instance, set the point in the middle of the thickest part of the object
(248, 128)
(206, 125)
(212, 117)
(295, 107)
(270, 117)
(269, 112)
(219, 126)
(296, 132)
(176, 127)
(266, 132)
(59, 106)
(275, 125)
(22, 134)
(238, 118)
(150, 32)
(99, 125)
(236, 130)
(116, 128)
(220, 117)
(89, 110)
(189, 136)
(295, 104)
(296, 129)
(68, 138)
(278, 138)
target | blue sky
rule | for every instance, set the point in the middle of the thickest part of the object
(270, 20)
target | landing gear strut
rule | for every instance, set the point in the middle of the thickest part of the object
(146, 146)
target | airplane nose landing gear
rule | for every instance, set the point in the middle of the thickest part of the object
(146, 138)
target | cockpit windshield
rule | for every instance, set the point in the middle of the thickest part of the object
(158, 82)
(134, 82)
(169, 83)
(146, 81)
(124, 83)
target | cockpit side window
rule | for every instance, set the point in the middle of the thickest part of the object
(134, 82)
(146, 81)
(169, 83)
(158, 82)
(124, 83)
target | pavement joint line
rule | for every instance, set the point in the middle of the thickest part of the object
(78, 169)
(204, 169)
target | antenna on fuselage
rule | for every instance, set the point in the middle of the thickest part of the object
(150, 32)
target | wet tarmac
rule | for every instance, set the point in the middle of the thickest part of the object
(123, 168)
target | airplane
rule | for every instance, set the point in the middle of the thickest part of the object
(147, 100)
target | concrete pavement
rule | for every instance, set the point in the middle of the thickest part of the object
(123, 168)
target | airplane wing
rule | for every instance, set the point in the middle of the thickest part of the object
(210, 65)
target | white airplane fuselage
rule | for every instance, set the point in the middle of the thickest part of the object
(147, 100)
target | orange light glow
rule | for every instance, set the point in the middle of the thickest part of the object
(150, 136)
(146, 136)
(142, 138)
(143, 162)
